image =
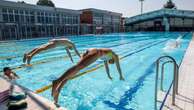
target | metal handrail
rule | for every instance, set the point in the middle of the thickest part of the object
(162, 76)
(175, 78)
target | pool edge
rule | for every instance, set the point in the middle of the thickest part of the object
(182, 102)
(34, 100)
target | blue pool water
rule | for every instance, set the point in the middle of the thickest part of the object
(94, 91)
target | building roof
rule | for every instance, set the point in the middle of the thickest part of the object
(160, 13)
(102, 11)
(11, 4)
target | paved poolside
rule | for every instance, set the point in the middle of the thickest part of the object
(185, 98)
(35, 102)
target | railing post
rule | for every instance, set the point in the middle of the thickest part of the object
(156, 85)
(175, 78)
(162, 78)
(174, 84)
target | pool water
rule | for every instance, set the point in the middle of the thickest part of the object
(94, 91)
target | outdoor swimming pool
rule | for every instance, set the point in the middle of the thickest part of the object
(94, 91)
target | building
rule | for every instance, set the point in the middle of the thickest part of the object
(122, 25)
(168, 18)
(95, 21)
(23, 21)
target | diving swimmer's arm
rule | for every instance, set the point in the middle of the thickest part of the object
(76, 51)
(69, 54)
(107, 70)
(116, 58)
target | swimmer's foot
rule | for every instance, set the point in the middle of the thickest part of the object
(121, 78)
(28, 59)
(28, 65)
(110, 77)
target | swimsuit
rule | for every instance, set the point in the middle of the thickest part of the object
(107, 57)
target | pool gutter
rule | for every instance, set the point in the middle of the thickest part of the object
(34, 100)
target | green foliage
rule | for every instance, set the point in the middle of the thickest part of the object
(21, 2)
(46, 3)
(170, 5)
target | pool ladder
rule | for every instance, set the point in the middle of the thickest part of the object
(175, 77)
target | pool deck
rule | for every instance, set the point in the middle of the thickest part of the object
(185, 98)
(34, 101)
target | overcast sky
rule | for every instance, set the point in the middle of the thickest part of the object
(127, 7)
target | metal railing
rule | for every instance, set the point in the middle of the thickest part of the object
(175, 78)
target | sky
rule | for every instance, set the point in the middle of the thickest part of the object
(127, 7)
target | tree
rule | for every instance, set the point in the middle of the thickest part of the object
(46, 3)
(21, 2)
(170, 5)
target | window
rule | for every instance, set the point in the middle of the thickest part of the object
(22, 18)
(21, 12)
(5, 17)
(39, 19)
(16, 11)
(47, 20)
(31, 13)
(10, 11)
(4, 10)
(27, 13)
(27, 19)
(16, 18)
(11, 18)
(32, 19)
(42, 19)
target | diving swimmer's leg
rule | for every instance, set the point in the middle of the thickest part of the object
(107, 70)
(28, 60)
(56, 89)
(24, 58)
(26, 54)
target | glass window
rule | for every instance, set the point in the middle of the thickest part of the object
(5, 17)
(16, 11)
(42, 14)
(17, 18)
(57, 20)
(21, 12)
(49, 20)
(4, 10)
(23, 31)
(26, 12)
(22, 18)
(10, 11)
(42, 19)
(39, 19)
(54, 19)
(46, 18)
(32, 19)
(27, 19)
(31, 13)
(11, 18)
(38, 13)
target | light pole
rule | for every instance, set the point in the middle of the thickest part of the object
(141, 5)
